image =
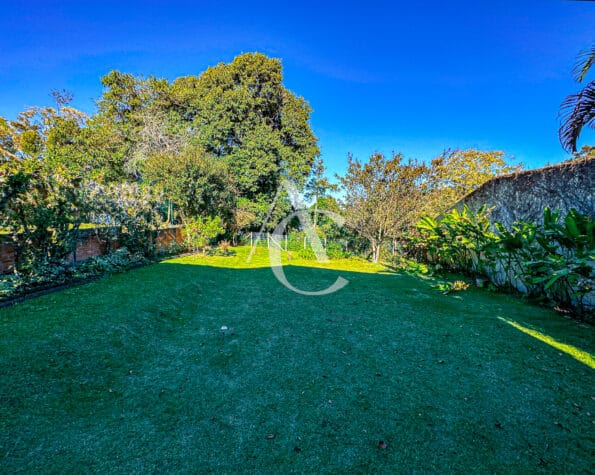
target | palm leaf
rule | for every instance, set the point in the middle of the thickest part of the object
(576, 112)
(584, 62)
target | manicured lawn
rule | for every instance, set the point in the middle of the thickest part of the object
(132, 374)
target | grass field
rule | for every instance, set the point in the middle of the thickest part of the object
(132, 374)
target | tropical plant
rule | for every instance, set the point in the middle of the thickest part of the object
(562, 260)
(578, 110)
(458, 240)
(553, 260)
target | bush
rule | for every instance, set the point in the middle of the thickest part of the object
(553, 261)
(458, 241)
(199, 232)
(64, 272)
(42, 214)
(116, 261)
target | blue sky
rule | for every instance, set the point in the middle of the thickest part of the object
(414, 76)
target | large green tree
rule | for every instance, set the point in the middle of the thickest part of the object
(242, 113)
(194, 181)
(238, 114)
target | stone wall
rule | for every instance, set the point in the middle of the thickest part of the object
(88, 245)
(524, 195)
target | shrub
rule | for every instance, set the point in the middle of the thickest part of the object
(553, 260)
(64, 272)
(42, 213)
(199, 232)
(458, 241)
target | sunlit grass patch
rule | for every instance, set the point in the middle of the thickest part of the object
(579, 355)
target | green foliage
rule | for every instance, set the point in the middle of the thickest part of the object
(200, 231)
(244, 113)
(195, 182)
(382, 198)
(553, 260)
(411, 266)
(116, 261)
(459, 240)
(217, 143)
(42, 214)
(51, 275)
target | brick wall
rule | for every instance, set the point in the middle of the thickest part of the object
(88, 245)
(6, 257)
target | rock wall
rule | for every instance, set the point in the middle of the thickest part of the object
(524, 195)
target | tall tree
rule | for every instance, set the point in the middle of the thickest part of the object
(578, 110)
(237, 113)
(382, 197)
(242, 113)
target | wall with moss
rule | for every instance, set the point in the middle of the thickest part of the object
(524, 195)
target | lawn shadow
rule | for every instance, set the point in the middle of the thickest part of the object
(183, 364)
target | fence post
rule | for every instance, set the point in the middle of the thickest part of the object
(268, 241)
(286, 242)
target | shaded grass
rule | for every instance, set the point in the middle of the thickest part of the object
(132, 374)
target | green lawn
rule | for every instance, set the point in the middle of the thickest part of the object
(132, 374)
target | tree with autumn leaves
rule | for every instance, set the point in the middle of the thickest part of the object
(384, 197)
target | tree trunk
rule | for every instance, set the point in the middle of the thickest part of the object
(375, 252)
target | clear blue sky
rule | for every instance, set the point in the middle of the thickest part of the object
(410, 76)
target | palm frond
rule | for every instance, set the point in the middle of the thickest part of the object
(584, 62)
(576, 112)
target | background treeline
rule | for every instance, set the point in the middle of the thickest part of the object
(199, 148)
(208, 152)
